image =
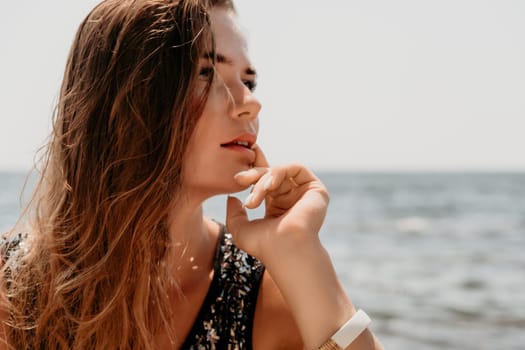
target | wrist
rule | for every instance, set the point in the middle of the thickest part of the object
(289, 248)
(309, 285)
(348, 332)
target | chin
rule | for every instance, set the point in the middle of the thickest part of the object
(234, 188)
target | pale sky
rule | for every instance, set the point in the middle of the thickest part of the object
(345, 85)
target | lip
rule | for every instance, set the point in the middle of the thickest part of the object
(246, 137)
(245, 150)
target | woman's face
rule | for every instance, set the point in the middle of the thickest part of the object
(221, 143)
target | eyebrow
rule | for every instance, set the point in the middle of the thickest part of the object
(220, 58)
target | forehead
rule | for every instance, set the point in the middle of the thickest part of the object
(229, 39)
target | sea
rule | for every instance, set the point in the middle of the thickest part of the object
(436, 259)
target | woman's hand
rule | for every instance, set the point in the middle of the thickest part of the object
(296, 204)
(286, 240)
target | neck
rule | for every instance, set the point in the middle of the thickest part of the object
(192, 245)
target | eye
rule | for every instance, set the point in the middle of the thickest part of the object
(206, 73)
(250, 84)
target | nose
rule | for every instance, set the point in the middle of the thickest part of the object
(244, 103)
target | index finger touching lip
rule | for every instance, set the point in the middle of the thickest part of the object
(260, 158)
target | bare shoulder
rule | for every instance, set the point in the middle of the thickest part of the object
(274, 326)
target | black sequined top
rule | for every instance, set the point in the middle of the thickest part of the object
(225, 320)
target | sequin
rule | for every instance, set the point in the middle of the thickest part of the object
(225, 320)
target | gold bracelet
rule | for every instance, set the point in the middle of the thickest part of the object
(330, 345)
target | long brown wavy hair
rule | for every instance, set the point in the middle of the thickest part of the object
(93, 273)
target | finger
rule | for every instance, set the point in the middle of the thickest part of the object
(236, 217)
(246, 234)
(275, 189)
(290, 176)
(286, 200)
(260, 158)
(286, 188)
(278, 181)
(249, 177)
(259, 191)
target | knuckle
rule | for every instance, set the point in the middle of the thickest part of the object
(298, 165)
(323, 192)
(326, 196)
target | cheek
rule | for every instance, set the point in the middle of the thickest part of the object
(220, 98)
(203, 145)
(207, 100)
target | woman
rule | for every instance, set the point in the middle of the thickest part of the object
(156, 114)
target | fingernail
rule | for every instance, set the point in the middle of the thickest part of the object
(268, 183)
(248, 199)
(241, 173)
(244, 173)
